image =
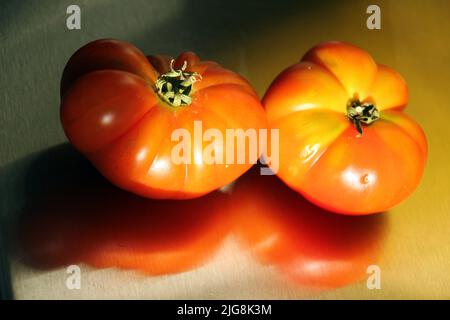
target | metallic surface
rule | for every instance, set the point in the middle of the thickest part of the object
(258, 40)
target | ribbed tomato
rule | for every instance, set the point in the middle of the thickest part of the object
(121, 109)
(345, 142)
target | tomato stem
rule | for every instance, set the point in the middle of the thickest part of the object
(175, 86)
(362, 113)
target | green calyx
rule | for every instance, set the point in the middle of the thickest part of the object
(175, 86)
(362, 113)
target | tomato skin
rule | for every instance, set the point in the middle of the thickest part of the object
(322, 155)
(111, 112)
(106, 54)
(306, 244)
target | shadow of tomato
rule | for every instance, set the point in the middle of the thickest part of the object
(306, 244)
(74, 215)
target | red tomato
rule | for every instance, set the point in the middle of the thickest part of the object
(120, 109)
(306, 244)
(345, 143)
(88, 220)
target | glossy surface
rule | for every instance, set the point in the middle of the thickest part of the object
(258, 40)
(322, 155)
(111, 113)
(307, 245)
(106, 227)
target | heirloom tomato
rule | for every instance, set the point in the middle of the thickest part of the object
(123, 111)
(345, 142)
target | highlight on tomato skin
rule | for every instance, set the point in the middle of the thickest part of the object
(346, 143)
(82, 218)
(120, 109)
(307, 245)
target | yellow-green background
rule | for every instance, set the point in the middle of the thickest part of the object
(257, 39)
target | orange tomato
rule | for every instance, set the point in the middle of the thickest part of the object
(120, 108)
(345, 142)
(307, 245)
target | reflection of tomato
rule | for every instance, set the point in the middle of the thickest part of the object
(307, 244)
(83, 218)
(120, 109)
(363, 167)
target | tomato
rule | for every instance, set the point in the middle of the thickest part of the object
(306, 244)
(85, 219)
(345, 142)
(120, 109)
